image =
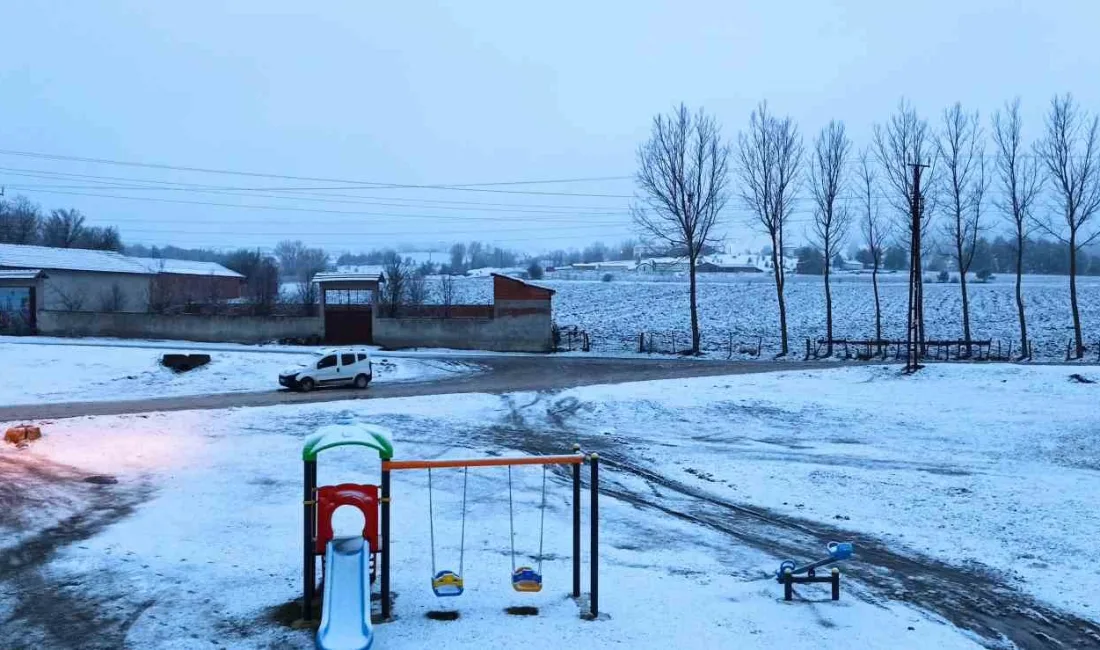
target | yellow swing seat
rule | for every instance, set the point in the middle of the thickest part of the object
(526, 579)
(447, 583)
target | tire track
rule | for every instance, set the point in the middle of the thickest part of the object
(972, 599)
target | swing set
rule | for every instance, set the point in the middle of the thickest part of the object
(447, 583)
(320, 503)
(528, 579)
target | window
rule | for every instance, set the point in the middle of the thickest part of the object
(327, 362)
(362, 357)
(347, 359)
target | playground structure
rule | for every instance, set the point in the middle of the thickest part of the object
(791, 573)
(350, 565)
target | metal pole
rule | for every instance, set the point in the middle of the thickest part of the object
(309, 567)
(576, 527)
(594, 563)
(384, 546)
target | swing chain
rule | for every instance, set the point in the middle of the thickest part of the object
(431, 520)
(542, 517)
(462, 536)
(511, 525)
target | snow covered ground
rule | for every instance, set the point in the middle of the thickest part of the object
(46, 372)
(990, 469)
(744, 306)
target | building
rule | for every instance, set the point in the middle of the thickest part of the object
(519, 319)
(727, 263)
(663, 265)
(38, 279)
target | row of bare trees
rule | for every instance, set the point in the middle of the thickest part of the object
(683, 187)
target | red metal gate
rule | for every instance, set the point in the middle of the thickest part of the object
(348, 324)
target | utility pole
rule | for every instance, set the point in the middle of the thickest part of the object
(915, 331)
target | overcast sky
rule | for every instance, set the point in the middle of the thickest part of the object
(418, 94)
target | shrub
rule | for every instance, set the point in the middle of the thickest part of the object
(606, 277)
(985, 275)
(534, 271)
(943, 276)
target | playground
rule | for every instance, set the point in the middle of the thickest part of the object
(185, 530)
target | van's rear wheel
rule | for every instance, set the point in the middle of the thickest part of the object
(361, 381)
(305, 385)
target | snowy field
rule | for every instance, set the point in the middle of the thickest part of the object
(984, 477)
(73, 373)
(614, 313)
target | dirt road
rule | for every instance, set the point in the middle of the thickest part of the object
(500, 375)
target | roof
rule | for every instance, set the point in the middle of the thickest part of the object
(186, 267)
(68, 259)
(348, 278)
(22, 274)
(523, 282)
(369, 269)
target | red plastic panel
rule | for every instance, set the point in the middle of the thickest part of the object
(331, 497)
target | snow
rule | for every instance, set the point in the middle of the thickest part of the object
(48, 372)
(73, 259)
(992, 468)
(192, 567)
(744, 307)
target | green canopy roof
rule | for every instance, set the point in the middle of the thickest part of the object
(340, 435)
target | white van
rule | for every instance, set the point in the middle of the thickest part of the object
(341, 367)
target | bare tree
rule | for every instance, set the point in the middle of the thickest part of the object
(682, 186)
(20, 221)
(832, 219)
(770, 157)
(396, 273)
(962, 184)
(1021, 181)
(875, 229)
(447, 293)
(63, 229)
(1069, 152)
(416, 289)
(69, 300)
(899, 144)
(113, 299)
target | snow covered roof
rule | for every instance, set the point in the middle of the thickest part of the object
(334, 279)
(186, 267)
(68, 259)
(21, 274)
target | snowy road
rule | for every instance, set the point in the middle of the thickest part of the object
(500, 374)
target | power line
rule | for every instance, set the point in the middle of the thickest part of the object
(476, 187)
(282, 208)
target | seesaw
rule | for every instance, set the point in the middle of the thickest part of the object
(790, 573)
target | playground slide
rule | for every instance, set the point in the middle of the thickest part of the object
(345, 614)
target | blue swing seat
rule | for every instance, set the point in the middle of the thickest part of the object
(447, 583)
(527, 579)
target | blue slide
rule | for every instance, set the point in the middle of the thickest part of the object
(345, 613)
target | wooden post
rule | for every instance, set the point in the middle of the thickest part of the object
(309, 565)
(788, 587)
(836, 583)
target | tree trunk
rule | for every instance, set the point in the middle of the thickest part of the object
(1020, 292)
(878, 305)
(1073, 294)
(962, 288)
(966, 313)
(828, 311)
(782, 304)
(694, 309)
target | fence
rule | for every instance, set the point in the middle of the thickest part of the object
(937, 350)
(1069, 351)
